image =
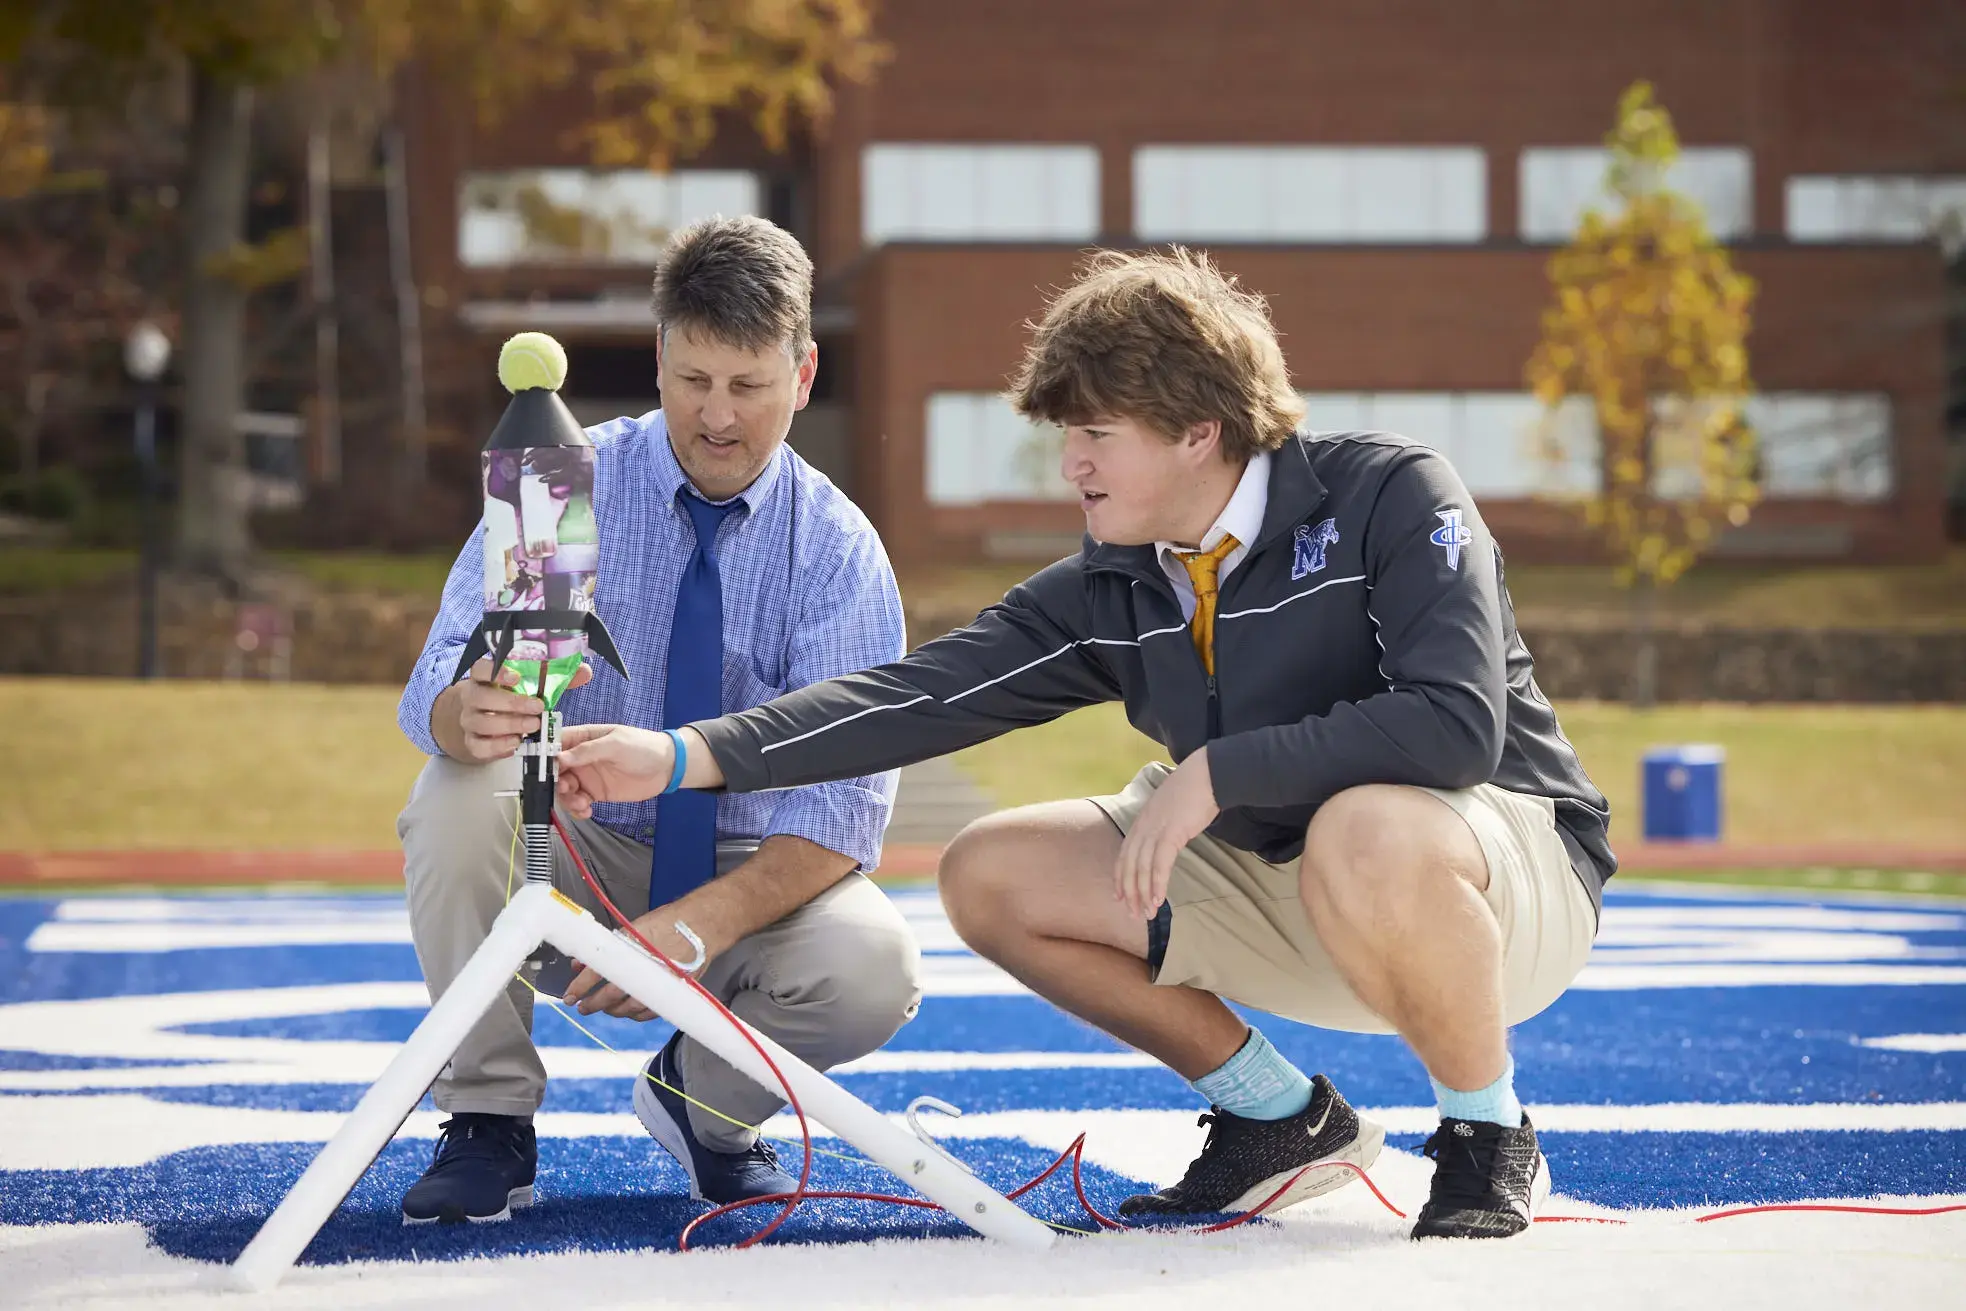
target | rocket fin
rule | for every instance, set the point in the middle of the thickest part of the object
(599, 642)
(474, 648)
(503, 625)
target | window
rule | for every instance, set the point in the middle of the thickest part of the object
(1831, 445)
(979, 193)
(1828, 445)
(1822, 444)
(1497, 440)
(568, 215)
(1310, 193)
(1556, 186)
(1876, 208)
(980, 450)
(1814, 445)
(1505, 446)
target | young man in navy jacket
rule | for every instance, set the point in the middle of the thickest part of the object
(1375, 824)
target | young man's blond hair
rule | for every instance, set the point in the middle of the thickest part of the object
(1164, 338)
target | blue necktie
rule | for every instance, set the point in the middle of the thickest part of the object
(686, 821)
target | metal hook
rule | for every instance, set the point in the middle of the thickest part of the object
(690, 966)
(696, 962)
(915, 1126)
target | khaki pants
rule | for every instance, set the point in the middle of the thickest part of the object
(832, 981)
(1238, 928)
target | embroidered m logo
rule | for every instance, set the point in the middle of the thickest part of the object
(1310, 544)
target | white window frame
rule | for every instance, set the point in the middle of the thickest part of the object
(635, 211)
(1465, 430)
(1841, 446)
(1837, 446)
(1555, 185)
(1310, 194)
(1852, 207)
(977, 449)
(963, 191)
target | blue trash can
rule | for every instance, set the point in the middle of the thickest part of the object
(1682, 793)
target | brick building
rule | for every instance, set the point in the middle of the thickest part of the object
(1393, 176)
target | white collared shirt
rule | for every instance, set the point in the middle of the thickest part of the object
(1242, 517)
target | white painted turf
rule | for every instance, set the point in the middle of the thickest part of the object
(1333, 1253)
(1342, 1250)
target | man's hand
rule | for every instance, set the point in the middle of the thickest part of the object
(1174, 816)
(481, 719)
(591, 993)
(612, 762)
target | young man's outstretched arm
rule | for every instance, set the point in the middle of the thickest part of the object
(1026, 660)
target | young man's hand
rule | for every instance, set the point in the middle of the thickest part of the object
(612, 762)
(1181, 807)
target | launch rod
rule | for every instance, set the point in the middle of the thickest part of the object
(537, 913)
(390, 1099)
(539, 761)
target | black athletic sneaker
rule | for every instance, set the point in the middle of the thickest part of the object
(718, 1177)
(1244, 1161)
(484, 1167)
(1489, 1181)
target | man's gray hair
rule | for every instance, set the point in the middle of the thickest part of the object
(744, 282)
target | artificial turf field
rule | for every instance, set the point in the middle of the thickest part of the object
(168, 1065)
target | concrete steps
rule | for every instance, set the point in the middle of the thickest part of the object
(935, 800)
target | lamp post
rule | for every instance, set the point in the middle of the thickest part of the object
(146, 354)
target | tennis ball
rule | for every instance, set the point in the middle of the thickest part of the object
(532, 359)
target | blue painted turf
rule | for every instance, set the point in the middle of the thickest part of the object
(1656, 1044)
(1615, 1048)
(595, 1194)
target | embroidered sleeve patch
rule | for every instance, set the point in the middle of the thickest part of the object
(1451, 536)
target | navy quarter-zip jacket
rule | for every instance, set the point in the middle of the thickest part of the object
(1367, 637)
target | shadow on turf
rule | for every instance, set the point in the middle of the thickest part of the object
(629, 1197)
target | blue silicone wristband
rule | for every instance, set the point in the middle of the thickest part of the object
(681, 766)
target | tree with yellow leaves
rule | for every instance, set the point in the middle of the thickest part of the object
(660, 73)
(1649, 325)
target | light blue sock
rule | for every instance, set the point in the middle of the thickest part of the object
(1496, 1103)
(1256, 1083)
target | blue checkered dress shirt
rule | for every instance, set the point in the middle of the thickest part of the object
(808, 594)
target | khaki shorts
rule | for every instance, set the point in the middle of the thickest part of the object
(1238, 929)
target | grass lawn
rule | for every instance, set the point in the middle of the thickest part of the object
(1857, 882)
(1793, 773)
(35, 569)
(1798, 773)
(188, 766)
(49, 569)
(1811, 596)
(253, 765)
(372, 571)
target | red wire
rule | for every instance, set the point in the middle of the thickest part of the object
(1046, 1173)
(1267, 1202)
(805, 1130)
(917, 1203)
(1829, 1206)
(1076, 1152)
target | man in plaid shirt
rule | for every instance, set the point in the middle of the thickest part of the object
(703, 514)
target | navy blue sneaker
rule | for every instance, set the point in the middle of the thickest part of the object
(484, 1168)
(719, 1177)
